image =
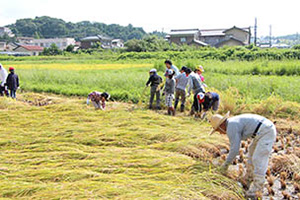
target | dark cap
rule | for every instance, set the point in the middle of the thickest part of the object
(188, 71)
(183, 68)
(105, 95)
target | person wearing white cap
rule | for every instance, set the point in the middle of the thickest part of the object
(242, 127)
(154, 81)
(209, 100)
(195, 85)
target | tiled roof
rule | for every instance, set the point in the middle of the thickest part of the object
(32, 48)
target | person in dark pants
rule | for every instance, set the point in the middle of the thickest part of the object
(12, 82)
(154, 81)
(181, 83)
(195, 85)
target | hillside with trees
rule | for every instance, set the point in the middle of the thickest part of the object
(47, 27)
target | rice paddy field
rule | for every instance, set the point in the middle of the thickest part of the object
(53, 146)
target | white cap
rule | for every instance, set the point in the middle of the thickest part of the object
(170, 72)
(152, 71)
(200, 95)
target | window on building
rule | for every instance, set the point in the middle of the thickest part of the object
(183, 39)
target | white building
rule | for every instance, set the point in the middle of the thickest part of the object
(7, 31)
(117, 43)
(61, 43)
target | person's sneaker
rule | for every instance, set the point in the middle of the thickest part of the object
(158, 108)
(150, 107)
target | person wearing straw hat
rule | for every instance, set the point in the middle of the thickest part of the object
(242, 127)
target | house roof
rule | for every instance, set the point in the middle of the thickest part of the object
(212, 32)
(179, 32)
(219, 32)
(232, 38)
(95, 38)
(200, 42)
(234, 27)
(31, 48)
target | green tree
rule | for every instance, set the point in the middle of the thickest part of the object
(70, 48)
(52, 50)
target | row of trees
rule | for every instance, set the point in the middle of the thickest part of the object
(47, 27)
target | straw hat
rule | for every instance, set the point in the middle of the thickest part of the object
(217, 120)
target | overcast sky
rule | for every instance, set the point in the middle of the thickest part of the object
(152, 15)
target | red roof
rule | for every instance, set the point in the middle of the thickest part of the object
(32, 48)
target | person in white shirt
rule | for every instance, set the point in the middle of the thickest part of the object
(3, 77)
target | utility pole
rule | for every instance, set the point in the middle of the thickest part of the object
(270, 37)
(255, 32)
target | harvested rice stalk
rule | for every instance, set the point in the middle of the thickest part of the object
(286, 195)
(286, 163)
(270, 180)
(283, 176)
(282, 184)
(296, 187)
(270, 191)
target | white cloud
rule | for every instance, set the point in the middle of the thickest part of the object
(167, 14)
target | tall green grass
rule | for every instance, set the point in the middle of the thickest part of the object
(128, 84)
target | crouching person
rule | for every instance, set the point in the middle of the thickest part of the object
(209, 100)
(98, 99)
(242, 127)
(169, 91)
(154, 81)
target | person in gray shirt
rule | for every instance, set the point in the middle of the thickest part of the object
(181, 83)
(242, 127)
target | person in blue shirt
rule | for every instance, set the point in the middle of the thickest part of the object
(169, 65)
(209, 100)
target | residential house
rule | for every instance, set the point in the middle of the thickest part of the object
(185, 36)
(25, 40)
(213, 37)
(2, 46)
(61, 43)
(6, 31)
(11, 46)
(29, 49)
(117, 43)
(91, 41)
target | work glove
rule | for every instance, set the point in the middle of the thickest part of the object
(203, 115)
(188, 95)
(87, 101)
(163, 93)
(2, 84)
